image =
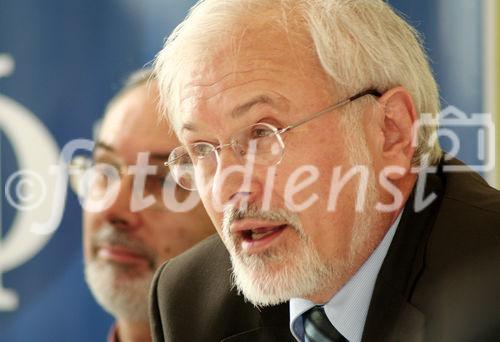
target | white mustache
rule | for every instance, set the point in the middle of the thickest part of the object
(234, 213)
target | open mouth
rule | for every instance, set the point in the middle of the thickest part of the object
(261, 232)
(258, 239)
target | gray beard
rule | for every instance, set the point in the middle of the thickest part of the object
(299, 274)
(280, 273)
(125, 296)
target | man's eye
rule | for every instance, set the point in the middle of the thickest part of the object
(201, 150)
(107, 169)
(260, 132)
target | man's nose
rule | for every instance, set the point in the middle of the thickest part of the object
(119, 213)
(236, 180)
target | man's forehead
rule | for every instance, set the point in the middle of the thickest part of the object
(228, 91)
(195, 93)
(155, 136)
(128, 130)
(256, 56)
(244, 47)
(205, 78)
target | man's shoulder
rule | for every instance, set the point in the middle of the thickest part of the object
(468, 220)
(461, 260)
(193, 299)
(469, 190)
(200, 255)
(434, 248)
(205, 265)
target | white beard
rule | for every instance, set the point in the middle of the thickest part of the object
(280, 273)
(121, 290)
(123, 296)
(274, 279)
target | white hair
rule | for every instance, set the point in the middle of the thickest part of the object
(360, 44)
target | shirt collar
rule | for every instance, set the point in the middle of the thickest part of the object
(348, 308)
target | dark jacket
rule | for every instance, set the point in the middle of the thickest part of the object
(193, 298)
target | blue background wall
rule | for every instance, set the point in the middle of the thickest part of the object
(70, 59)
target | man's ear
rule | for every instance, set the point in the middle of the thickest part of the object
(399, 117)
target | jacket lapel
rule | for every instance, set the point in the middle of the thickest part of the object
(273, 326)
(391, 317)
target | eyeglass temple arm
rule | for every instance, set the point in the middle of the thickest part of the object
(372, 92)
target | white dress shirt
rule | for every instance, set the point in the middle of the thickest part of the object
(348, 308)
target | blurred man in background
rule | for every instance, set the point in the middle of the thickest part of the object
(127, 239)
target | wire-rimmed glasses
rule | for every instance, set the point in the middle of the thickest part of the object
(261, 143)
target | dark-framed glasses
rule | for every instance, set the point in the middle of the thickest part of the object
(260, 143)
(94, 180)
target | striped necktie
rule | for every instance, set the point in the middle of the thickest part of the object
(317, 327)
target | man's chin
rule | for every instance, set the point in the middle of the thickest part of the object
(259, 293)
(122, 292)
(266, 283)
(275, 278)
(122, 271)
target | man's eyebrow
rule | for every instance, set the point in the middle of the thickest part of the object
(188, 126)
(245, 107)
(236, 112)
(104, 146)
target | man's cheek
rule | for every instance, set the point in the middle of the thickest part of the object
(207, 203)
(215, 217)
(90, 225)
(87, 249)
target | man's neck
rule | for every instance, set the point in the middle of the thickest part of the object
(129, 331)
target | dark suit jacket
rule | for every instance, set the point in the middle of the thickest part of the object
(193, 299)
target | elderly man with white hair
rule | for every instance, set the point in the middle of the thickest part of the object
(302, 128)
